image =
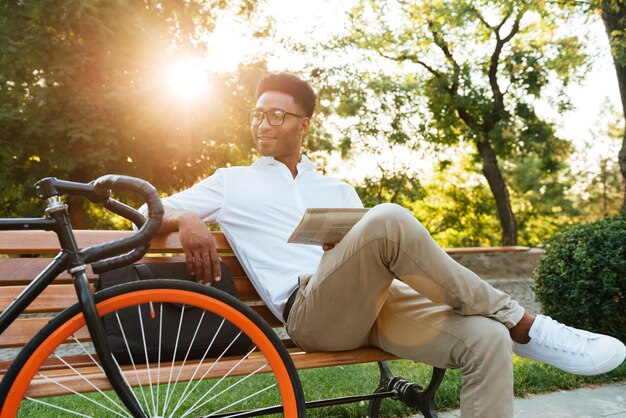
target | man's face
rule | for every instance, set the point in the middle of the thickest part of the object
(281, 142)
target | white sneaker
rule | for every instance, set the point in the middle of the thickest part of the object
(570, 349)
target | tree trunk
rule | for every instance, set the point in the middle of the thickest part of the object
(615, 21)
(492, 173)
(77, 211)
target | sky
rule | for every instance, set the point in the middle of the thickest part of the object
(301, 19)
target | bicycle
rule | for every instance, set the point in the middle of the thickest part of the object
(149, 393)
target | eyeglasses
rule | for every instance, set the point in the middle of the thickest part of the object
(275, 117)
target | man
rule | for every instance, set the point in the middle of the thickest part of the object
(386, 283)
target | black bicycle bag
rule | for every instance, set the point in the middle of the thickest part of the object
(170, 326)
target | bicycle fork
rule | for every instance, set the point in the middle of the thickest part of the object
(96, 330)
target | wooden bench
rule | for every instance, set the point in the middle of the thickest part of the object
(17, 272)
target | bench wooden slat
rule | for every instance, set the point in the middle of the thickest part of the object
(476, 250)
(42, 387)
(21, 271)
(52, 363)
(23, 329)
(53, 299)
(46, 242)
(304, 360)
(58, 297)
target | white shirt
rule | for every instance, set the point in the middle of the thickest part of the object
(258, 207)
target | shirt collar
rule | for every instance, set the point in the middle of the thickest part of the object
(305, 163)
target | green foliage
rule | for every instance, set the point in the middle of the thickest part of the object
(458, 210)
(391, 187)
(83, 93)
(580, 278)
(540, 197)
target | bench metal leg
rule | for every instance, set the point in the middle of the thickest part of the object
(410, 393)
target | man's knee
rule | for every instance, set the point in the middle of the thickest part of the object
(388, 211)
(394, 219)
(490, 343)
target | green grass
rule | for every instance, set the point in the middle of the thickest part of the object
(530, 378)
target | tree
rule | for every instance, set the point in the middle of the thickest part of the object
(83, 93)
(613, 14)
(450, 72)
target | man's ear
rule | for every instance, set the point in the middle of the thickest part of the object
(304, 125)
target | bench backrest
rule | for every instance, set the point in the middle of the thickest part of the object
(25, 256)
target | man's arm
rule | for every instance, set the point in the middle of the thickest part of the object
(197, 242)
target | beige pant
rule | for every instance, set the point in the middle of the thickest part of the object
(388, 284)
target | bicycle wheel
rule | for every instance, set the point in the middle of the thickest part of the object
(222, 385)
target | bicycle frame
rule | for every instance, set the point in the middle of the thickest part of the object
(69, 258)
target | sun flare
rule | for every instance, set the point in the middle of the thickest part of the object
(187, 79)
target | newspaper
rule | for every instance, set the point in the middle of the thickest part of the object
(325, 225)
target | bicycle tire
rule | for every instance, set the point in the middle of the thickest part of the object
(18, 389)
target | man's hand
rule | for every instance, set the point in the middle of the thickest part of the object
(327, 247)
(197, 242)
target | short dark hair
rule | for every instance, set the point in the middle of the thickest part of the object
(290, 84)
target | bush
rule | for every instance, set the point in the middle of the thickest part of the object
(581, 278)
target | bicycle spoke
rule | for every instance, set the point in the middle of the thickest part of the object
(125, 379)
(193, 407)
(79, 394)
(182, 397)
(216, 361)
(180, 369)
(169, 379)
(132, 361)
(89, 382)
(159, 355)
(242, 400)
(145, 351)
(229, 388)
(50, 405)
(90, 355)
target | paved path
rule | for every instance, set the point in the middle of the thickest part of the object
(603, 401)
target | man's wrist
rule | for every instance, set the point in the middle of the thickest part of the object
(184, 219)
(175, 220)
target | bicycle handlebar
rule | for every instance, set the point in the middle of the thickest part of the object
(136, 245)
(117, 253)
(134, 254)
